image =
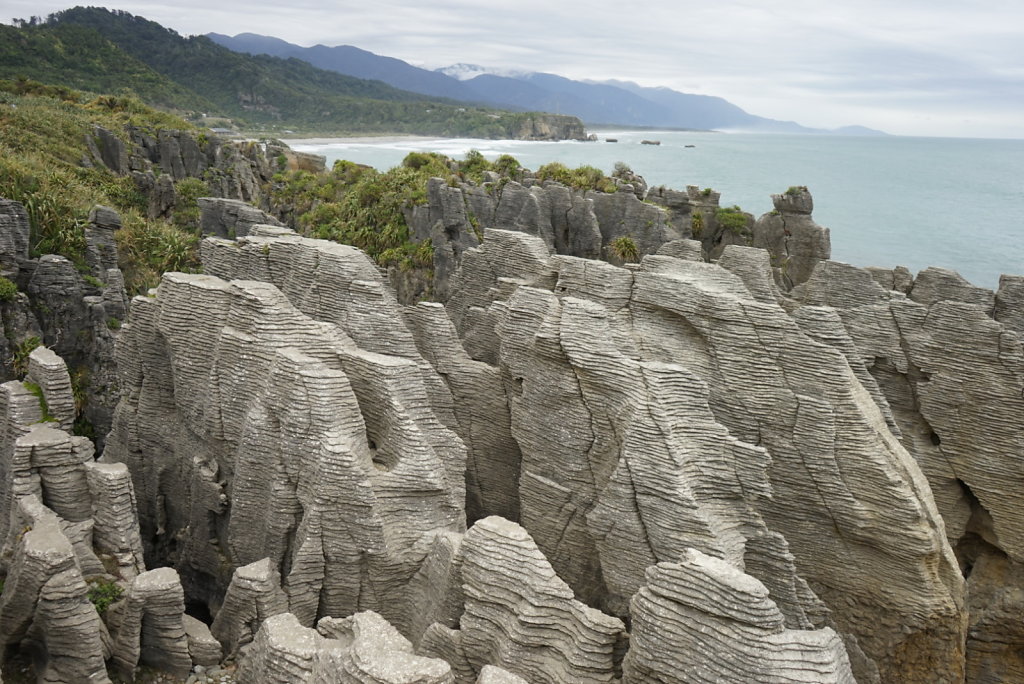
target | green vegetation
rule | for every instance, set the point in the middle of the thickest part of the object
(42, 143)
(106, 51)
(8, 290)
(360, 206)
(507, 165)
(19, 357)
(794, 190)
(186, 207)
(38, 391)
(706, 192)
(697, 225)
(624, 247)
(103, 594)
(732, 218)
(581, 178)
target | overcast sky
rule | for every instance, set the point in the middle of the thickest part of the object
(913, 67)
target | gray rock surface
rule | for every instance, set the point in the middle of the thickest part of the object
(1010, 303)
(44, 605)
(496, 675)
(795, 242)
(727, 458)
(702, 620)
(362, 648)
(14, 235)
(242, 389)
(152, 630)
(115, 520)
(687, 250)
(898, 279)
(768, 384)
(229, 218)
(48, 371)
(254, 595)
(520, 616)
(935, 284)
(101, 249)
(952, 377)
(481, 411)
(108, 149)
(203, 649)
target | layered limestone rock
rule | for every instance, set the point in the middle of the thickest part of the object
(497, 675)
(254, 595)
(357, 649)
(229, 218)
(518, 615)
(254, 431)
(702, 620)
(722, 456)
(115, 521)
(795, 242)
(231, 169)
(74, 314)
(952, 376)
(49, 373)
(152, 631)
(1010, 303)
(569, 221)
(14, 237)
(203, 648)
(44, 606)
(481, 411)
(50, 464)
(857, 514)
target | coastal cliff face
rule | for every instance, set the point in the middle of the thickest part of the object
(549, 127)
(578, 467)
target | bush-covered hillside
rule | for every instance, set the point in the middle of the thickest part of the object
(105, 51)
(42, 147)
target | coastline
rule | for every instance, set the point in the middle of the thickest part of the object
(356, 139)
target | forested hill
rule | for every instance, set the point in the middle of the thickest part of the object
(105, 51)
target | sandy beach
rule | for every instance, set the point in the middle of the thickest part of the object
(364, 139)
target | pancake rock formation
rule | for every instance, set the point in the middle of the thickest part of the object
(766, 467)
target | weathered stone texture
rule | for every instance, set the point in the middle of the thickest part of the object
(841, 485)
(279, 437)
(521, 617)
(152, 630)
(952, 377)
(254, 595)
(14, 236)
(230, 217)
(44, 603)
(795, 242)
(702, 620)
(360, 649)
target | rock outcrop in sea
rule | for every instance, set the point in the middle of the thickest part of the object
(766, 466)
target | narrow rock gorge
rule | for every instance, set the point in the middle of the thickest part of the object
(724, 458)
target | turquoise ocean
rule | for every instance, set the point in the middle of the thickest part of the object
(916, 202)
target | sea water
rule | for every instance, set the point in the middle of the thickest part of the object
(916, 202)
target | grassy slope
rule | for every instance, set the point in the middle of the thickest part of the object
(42, 145)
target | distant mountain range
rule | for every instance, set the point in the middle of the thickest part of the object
(114, 52)
(620, 103)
